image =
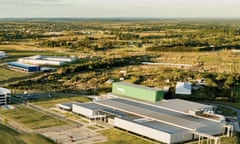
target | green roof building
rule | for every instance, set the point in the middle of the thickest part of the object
(137, 91)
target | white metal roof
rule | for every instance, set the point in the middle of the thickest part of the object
(182, 105)
(157, 113)
(4, 91)
(183, 88)
(154, 124)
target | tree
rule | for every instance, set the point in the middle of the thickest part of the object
(229, 82)
(210, 82)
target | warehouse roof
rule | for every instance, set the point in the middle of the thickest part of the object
(154, 124)
(157, 113)
(21, 65)
(139, 86)
(97, 107)
(182, 105)
(183, 88)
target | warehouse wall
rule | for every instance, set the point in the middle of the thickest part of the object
(181, 137)
(34, 69)
(142, 130)
(81, 110)
(212, 129)
(41, 62)
(137, 92)
(153, 133)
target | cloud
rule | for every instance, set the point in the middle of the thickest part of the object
(119, 8)
(32, 3)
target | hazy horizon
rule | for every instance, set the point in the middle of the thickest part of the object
(119, 9)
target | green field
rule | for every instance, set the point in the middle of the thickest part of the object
(116, 136)
(31, 118)
(57, 99)
(6, 74)
(9, 136)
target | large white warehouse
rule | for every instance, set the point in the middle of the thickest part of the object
(46, 60)
(157, 122)
(153, 129)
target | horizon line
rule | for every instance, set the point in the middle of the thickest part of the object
(119, 17)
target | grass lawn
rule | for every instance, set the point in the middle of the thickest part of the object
(9, 136)
(116, 136)
(6, 74)
(76, 117)
(31, 118)
(57, 99)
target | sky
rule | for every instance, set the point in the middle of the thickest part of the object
(120, 8)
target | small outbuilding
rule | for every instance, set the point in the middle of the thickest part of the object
(184, 88)
(67, 106)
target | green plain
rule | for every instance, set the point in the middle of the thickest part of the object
(31, 118)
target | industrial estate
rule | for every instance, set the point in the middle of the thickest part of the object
(143, 111)
(119, 81)
(172, 121)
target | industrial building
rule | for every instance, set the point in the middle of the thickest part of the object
(153, 129)
(3, 55)
(160, 123)
(67, 106)
(23, 67)
(169, 121)
(137, 91)
(47, 60)
(184, 106)
(184, 88)
(4, 96)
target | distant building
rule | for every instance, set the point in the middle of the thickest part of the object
(184, 88)
(3, 54)
(47, 60)
(4, 96)
(23, 67)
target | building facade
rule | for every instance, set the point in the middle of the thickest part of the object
(137, 91)
(4, 96)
